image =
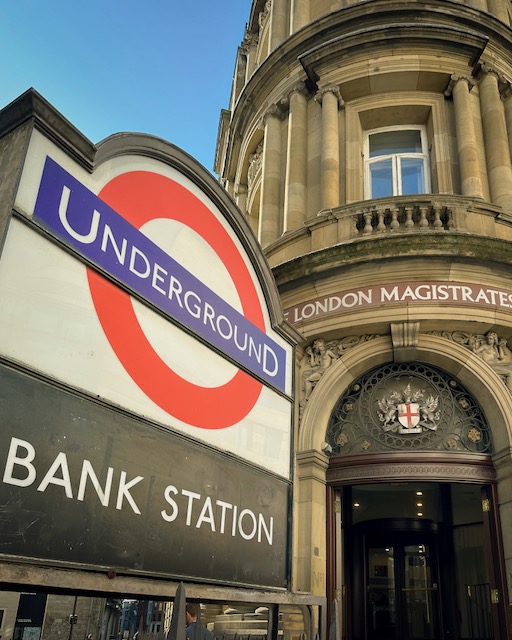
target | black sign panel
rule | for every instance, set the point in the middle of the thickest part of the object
(85, 484)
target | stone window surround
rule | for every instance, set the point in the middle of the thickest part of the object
(423, 109)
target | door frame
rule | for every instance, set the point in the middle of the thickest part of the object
(407, 466)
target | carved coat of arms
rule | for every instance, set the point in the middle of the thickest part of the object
(408, 412)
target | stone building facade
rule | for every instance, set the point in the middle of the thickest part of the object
(369, 143)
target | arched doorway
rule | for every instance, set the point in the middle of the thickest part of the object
(416, 545)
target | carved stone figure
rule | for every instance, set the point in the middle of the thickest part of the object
(320, 359)
(490, 347)
(320, 356)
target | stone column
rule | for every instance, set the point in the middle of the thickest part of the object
(296, 159)
(496, 142)
(498, 8)
(330, 98)
(470, 178)
(299, 14)
(311, 544)
(278, 23)
(270, 218)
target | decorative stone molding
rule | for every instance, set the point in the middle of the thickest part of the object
(251, 40)
(311, 465)
(404, 337)
(489, 347)
(406, 471)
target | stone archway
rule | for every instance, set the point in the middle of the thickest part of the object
(475, 374)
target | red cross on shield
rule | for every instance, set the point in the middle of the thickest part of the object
(408, 414)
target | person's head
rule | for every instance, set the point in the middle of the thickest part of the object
(191, 611)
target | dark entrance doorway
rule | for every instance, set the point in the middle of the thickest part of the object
(418, 562)
(402, 586)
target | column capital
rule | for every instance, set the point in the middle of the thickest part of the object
(486, 69)
(274, 111)
(501, 81)
(455, 79)
(298, 88)
(329, 88)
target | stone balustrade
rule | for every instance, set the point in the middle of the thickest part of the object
(387, 217)
(393, 218)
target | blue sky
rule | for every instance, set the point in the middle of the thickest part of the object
(162, 67)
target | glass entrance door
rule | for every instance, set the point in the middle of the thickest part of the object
(402, 589)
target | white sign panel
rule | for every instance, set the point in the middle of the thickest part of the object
(140, 293)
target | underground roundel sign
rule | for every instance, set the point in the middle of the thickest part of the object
(105, 228)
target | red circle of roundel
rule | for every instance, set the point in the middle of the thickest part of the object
(141, 196)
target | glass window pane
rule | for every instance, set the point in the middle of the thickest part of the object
(412, 176)
(381, 592)
(418, 591)
(381, 179)
(388, 142)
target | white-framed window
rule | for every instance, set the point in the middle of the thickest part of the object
(396, 162)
